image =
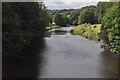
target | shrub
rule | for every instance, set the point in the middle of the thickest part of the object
(111, 24)
(22, 22)
(87, 31)
(87, 16)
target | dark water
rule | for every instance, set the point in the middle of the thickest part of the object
(63, 56)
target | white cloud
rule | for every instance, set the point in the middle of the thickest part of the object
(69, 4)
(73, 0)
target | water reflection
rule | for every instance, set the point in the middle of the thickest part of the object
(62, 56)
(109, 62)
(27, 65)
(57, 32)
(62, 31)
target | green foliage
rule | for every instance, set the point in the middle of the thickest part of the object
(111, 23)
(63, 11)
(50, 18)
(22, 22)
(66, 20)
(74, 17)
(87, 15)
(70, 16)
(101, 8)
(51, 27)
(88, 31)
(102, 14)
(58, 19)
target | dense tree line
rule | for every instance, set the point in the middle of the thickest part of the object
(59, 20)
(105, 13)
(111, 24)
(101, 9)
(60, 11)
(75, 16)
(87, 15)
(22, 22)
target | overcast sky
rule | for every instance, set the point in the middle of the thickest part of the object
(69, 4)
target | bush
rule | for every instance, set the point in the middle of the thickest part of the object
(87, 16)
(22, 22)
(101, 8)
(111, 24)
(87, 31)
(59, 20)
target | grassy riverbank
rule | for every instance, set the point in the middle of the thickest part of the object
(88, 31)
(52, 26)
(49, 28)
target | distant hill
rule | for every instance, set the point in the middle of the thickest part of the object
(60, 11)
(68, 11)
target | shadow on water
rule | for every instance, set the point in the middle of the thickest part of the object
(58, 32)
(109, 61)
(26, 66)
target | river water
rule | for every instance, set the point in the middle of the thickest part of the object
(63, 55)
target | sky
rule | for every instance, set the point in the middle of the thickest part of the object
(69, 4)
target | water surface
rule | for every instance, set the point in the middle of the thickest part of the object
(63, 55)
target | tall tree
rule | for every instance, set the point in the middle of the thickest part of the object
(66, 21)
(22, 22)
(58, 19)
(87, 15)
(101, 8)
(111, 24)
(74, 17)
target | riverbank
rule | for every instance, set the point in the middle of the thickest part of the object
(88, 31)
(49, 28)
(70, 56)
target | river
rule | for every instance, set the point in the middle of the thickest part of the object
(63, 55)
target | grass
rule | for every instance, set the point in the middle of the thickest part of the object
(52, 26)
(49, 29)
(88, 31)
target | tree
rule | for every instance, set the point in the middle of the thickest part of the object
(74, 17)
(58, 19)
(66, 21)
(66, 18)
(111, 24)
(50, 18)
(101, 8)
(22, 22)
(87, 16)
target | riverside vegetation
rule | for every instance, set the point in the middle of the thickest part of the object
(24, 22)
(88, 31)
(90, 21)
